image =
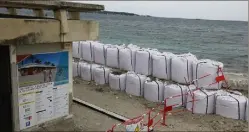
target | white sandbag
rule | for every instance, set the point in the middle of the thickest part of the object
(112, 56)
(101, 75)
(117, 81)
(87, 50)
(202, 102)
(231, 105)
(160, 66)
(135, 84)
(143, 61)
(176, 95)
(87, 70)
(99, 53)
(76, 70)
(168, 55)
(133, 49)
(181, 67)
(153, 90)
(125, 59)
(246, 112)
(76, 49)
(206, 67)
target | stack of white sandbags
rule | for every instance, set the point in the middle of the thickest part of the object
(209, 69)
(86, 48)
(153, 90)
(143, 61)
(231, 105)
(201, 101)
(117, 80)
(76, 49)
(175, 95)
(101, 75)
(135, 83)
(87, 70)
(127, 57)
(161, 65)
(76, 70)
(112, 56)
(181, 68)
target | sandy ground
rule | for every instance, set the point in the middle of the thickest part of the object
(130, 106)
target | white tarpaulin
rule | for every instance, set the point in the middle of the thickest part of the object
(204, 101)
(231, 106)
(117, 81)
(135, 84)
(76, 49)
(101, 75)
(76, 71)
(206, 67)
(153, 90)
(125, 59)
(178, 94)
(181, 67)
(112, 56)
(87, 70)
(86, 48)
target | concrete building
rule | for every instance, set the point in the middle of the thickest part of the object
(37, 41)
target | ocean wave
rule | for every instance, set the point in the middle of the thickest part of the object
(237, 80)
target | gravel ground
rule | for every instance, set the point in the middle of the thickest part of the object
(130, 106)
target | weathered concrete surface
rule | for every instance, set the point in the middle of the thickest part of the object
(52, 5)
(21, 31)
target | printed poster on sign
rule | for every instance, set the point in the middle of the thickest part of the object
(43, 87)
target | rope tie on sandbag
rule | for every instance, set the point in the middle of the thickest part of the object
(118, 57)
(131, 57)
(119, 85)
(140, 85)
(207, 99)
(181, 93)
(78, 48)
(187, 71)
(91, 71)
(158, 94)
(91, 51)
(104, 73)
(238, 105)
(166, 65)
(170, 61)
(104, 54)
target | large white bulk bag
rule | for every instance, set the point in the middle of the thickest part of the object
(160, 66)
(117, 81)
(181, 68)
(153, 90)
(168, 55)
(76, 50)
(176, 94)
(87, 70)
(202, 101)
(87, 50)
(112, 56)
(101, 75)
(125, 59)
(76, 70)
(206, 67)
(231, 105)
(142, 62)
(135, 84)
(133, 49)
(99, 53)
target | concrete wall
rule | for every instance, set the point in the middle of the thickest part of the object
(31, 49)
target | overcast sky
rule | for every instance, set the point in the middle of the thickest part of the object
(214, 10)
